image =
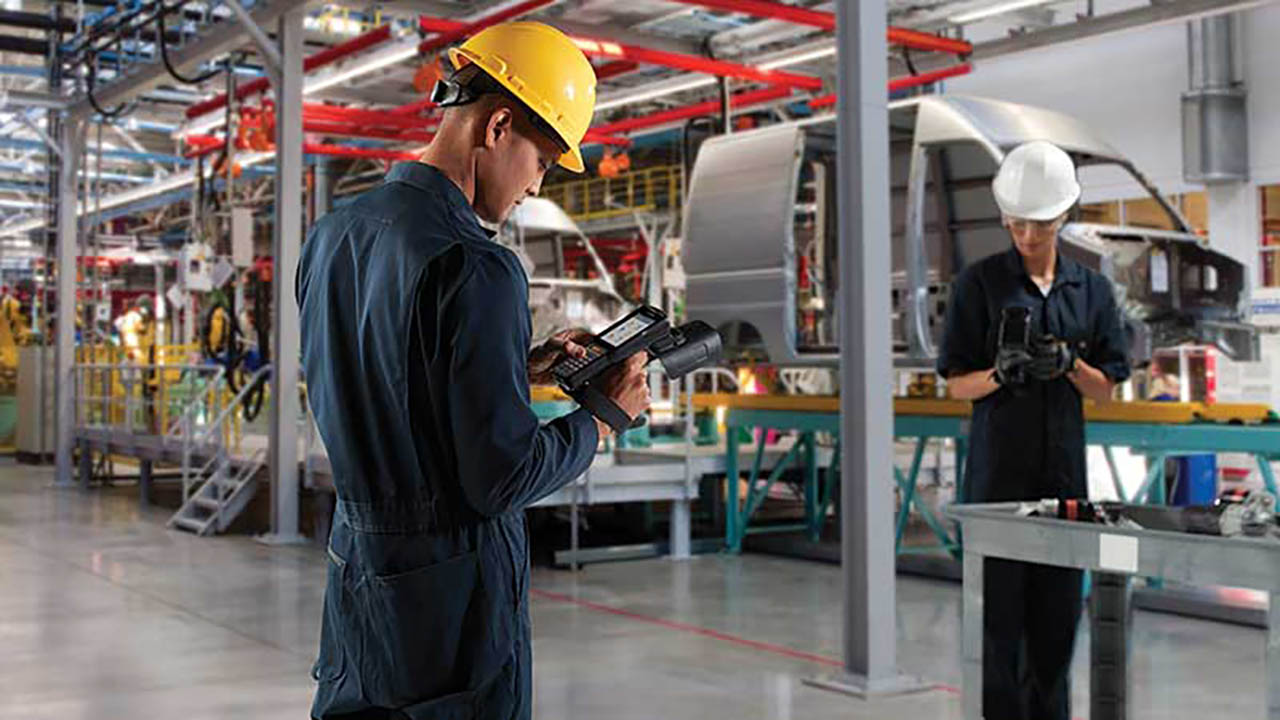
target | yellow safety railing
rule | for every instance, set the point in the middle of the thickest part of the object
(645, 190)
(149, 398)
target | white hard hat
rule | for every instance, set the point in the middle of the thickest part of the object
(1036, 181)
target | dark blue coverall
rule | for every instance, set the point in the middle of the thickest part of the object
(415, 343)
(1028, 443)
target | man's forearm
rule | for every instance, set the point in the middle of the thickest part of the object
(972, 386)
(1091, 382)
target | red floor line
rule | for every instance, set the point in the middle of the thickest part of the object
(707, 632)
(694, 629)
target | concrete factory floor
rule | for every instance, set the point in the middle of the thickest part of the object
(104, 614)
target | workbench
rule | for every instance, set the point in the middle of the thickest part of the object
(995, 530)
(1157, 430)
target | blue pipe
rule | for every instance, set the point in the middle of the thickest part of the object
(25, 144)
(27, 71)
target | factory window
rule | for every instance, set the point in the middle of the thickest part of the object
(1270, 260)
(1146, 212)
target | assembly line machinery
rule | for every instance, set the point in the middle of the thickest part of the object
(760, 224)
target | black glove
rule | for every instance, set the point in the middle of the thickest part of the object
(1051, 359)
(1011, 365)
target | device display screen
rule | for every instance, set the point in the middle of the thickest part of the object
(1015, 326)
(627, 329)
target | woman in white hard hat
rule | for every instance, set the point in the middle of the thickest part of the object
(1029, 333)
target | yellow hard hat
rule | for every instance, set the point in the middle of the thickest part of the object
(544, 69)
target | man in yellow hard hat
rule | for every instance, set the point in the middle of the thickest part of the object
(415, 346)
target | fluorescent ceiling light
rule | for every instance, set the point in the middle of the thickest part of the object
(656, 90)
(797, 59)
(387, 56)
(993, 10)
(773, 61)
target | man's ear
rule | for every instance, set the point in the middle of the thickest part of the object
(501, 123)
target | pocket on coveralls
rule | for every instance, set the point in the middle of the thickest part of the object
(421, 631)
(332, 661)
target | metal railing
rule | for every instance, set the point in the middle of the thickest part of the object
(143, 397)
(141, 400)
(212, 436)
(645, 190)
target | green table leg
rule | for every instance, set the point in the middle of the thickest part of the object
(907, 486)
(1155, 476)
(828, 489)
(811, 509)
(756, 497)
(1268, 477)
(962, 458)
(1158, 489)
(732, 538)
(1115, 473)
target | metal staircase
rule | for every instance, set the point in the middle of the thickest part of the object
(223, 494)
(215, 493)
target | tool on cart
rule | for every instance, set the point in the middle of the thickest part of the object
(1252, 516)
(681, 350)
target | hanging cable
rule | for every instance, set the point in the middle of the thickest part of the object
(120, 109)
(164, 53)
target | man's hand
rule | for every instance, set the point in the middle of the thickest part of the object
(1051, 359)
(1011, 364)
(544, 357)
(628, 386)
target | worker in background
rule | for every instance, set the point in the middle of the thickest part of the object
(415, 346)
(1027, 435)
(11, 313)
(138, 330)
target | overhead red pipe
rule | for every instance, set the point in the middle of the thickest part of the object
(679, 61)
(745, 99)
(317, 60)
(356, 152)
(597, 138)
(694, 63)
(757, 97)
(308, 148)
(827, 21)
(822, 102)
(901, 83)
(615, 68)
(926, 41)
(909, 81)
(383, 118)
(324, 127)
(451, 36)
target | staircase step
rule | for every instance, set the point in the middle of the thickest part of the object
(186, 523)
(208, 503)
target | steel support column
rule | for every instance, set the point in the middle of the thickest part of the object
(72, 141)
(870, 650)
(866, 500)
(287, 246)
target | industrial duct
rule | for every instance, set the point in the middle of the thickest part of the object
(1215, 129)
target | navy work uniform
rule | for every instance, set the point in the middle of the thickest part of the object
(415, 344)
(1027, 443)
